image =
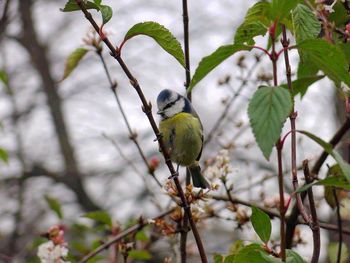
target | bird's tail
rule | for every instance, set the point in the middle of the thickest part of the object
(197, 177)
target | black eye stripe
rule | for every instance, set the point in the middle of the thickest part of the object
(171, 103)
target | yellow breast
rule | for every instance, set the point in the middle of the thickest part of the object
(182, 135)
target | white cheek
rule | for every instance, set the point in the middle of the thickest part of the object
(176, 108)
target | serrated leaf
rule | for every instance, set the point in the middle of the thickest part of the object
(333, 253)
(268, 110)
(256, 22)
(328, 58)
(301, 85)
(4, 155)
(161, 35)
(73, 60)
(282, 8)
(247, 31)
(4, 77)
(250, 253)
(345, 167)
(71, 6)
(106, 12)
(261, 223)
(305, 23)
(139, 254)
(54, 205)
(99, 216)
(208, 63)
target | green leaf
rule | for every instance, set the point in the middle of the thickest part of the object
(71, 5)
(269, 259)
(139, 254)
(328, 58)
(4, 78)
(282, 8)
(99, 216)
(261, 223)
(268, 110)
(256, 22)
(301, 85)
(236, 246)
(218, 258)
(293, 257)
(97, 2)
(345, 167)
(247, 31)
(73, 60)
(305, 23)
(54, 205)
(106, 12)
(4, 155)
(329, 181)
(335, 173)
(250, 253)
(258, 12)
(230, 259)
(333, 253)
(345, 47)
(208, 63)
(161, 35)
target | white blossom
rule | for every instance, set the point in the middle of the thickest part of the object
(50, 253)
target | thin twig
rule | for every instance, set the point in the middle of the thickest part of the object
(122, 235)
(291, 222)
(230, 103)
(314, 225)
(184, 231)
(147, 109)
(272, 213)
(281, 203)
(132, 135)
(340, 225)
(279, 147)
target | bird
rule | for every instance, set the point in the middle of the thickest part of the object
(182, 133)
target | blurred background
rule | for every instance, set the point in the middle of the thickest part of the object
(67, 140)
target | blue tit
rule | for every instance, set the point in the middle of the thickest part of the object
(182, 133)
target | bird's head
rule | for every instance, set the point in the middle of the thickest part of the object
(171, 103)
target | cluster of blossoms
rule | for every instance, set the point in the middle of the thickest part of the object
(55, 250)
(93, 39)
(221, 166)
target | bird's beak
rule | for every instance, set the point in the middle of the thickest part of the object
(160, 112)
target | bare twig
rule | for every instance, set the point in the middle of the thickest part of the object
(183, 236)
(132, 135)
(279, 147)
(291, 222)
(122, 235)
(340, 225)
(273, 213)
(147, 109)
(229, 104)
(314, 225)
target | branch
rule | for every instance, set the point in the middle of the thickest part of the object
(122, 235)
(339, 223)
(183, 236)
(147, 109)
(291, 222)
(132, 135)
(314, 222)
